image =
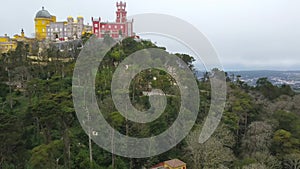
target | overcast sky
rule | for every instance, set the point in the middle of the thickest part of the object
(247, 34)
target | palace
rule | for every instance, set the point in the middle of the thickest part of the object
(10, 44)
(42, 19)
(70, 29)
(46, 27)
(118, 29)
(7, 44)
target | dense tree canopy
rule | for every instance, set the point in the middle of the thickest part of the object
(39, 127)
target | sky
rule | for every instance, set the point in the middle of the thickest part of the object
(247, 34)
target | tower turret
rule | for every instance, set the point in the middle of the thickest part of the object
(96, 26)
(80, 25)
(121, 14)
(42, 19)
(22, 33)
(70, 19)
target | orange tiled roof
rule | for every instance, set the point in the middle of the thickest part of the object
(158, 165)
(175, 163)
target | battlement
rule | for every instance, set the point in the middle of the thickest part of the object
(120, 28)
(121, 5)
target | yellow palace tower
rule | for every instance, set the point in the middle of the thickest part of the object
(42, 19)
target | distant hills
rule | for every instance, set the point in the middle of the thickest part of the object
(291, 78)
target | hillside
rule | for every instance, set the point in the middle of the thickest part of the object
(260, 127)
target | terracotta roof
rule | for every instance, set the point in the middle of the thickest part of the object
(174, 163)
(158, 165)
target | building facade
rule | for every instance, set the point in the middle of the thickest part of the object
(10, 44)
(66, 30)
(118, 29)
(42, 19)
(46, 27)
(7, 44)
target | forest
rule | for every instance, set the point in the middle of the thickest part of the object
(260, 127)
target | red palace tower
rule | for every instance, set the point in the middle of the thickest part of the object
(118, 29)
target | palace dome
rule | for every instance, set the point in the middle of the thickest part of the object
(43, 14)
